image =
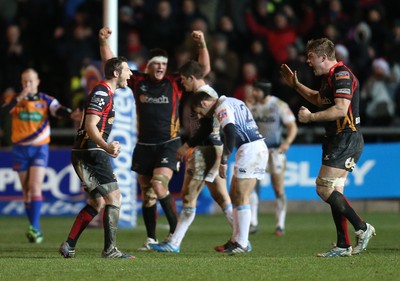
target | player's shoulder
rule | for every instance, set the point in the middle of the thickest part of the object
(341, 71)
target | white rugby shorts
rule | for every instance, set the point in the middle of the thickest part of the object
(251, 160)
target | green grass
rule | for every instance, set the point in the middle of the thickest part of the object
(290, 257)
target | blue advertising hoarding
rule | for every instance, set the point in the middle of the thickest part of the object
(373, 178)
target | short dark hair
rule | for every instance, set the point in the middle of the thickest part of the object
(113, 64)
(264, 85)
(192, 68)
(198, 97)
(156, 52)
(321, 46)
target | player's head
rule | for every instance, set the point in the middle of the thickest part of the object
(203, 103)
(190, 72)
(157, 64)
(30, 79)
(320, 55)
(117, 68)
(262, 88)
(320, 47)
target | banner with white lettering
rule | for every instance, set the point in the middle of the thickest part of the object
(373, 178)
(124, 131)
(61, 188)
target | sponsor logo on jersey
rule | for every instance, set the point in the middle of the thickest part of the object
(164, 161)
(30, 116)
(342, 75)
(350, 164)
(100, 93)
(155, 100)
(143, 88)
(343, 91)
(222, 114)
(242, 170)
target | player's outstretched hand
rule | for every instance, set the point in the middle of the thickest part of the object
(289, 76)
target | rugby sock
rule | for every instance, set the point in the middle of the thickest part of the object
(339, 202)
(280, 211)
(82, 220)
(28, 211)
(110, 222)
(150, 220)
(168, 205)
(35, 209)
(343, 239)
(185, 220)
(253, 201)
(228, 213)
(235, 224)
(244, 216)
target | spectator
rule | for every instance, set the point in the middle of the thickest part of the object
(377, 95)
(225, 65)
(281, 33)
(258, 54)
(165, 32)
(189, 13)
(334, 15)
(14, 58)
(375, 19)
(249, 75)
(235, 39)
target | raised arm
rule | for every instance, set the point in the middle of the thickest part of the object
(7, 107)
(105, 51)
(204, 56)
(290, 78)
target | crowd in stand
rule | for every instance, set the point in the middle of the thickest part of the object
(247, 39)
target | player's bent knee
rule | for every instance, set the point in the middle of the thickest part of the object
(325, 186)
(149, 196)
(190, 199)
(160, 179)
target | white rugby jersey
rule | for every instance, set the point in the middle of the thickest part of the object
(232, 110)
(271, 117)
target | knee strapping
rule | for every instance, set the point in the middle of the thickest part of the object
(161, 179)
(325, 186)
(330, 182)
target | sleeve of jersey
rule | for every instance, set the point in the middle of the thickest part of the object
(225, 115)
(98, 102)
(285, 113)
(343, 84)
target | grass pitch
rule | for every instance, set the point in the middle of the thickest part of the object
(290, 257)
